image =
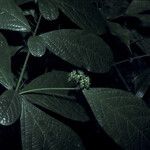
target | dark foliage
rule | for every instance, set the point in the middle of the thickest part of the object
(74, 74)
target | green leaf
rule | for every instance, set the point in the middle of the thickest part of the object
(11, 17)
(40, 131)
(48, 9)
(144, 20)
(84, 14)
(122, 33)
(141, 41)
(67, 107)
(80, 48)
(144, 44)
(10, 108)
(123, 116)
(36, 46)
(114, 8)
(54, 79)
(15, 49)
(58, 101)
(138, 6)
(5, 64)
(3, 41)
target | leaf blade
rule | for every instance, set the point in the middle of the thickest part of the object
(114, 8)
(84, 14)
(40, 131)
(80, 48)
(141, 41)
(122, 33)
(138, 6)
(6, 78)
(10, 107)
(122, 115)
(58, 101)
(48, 9)
(36, 46)
(11, 17)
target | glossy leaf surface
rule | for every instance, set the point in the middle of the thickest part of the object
(80, 48)
(10, 108)
(11, 17)
(36, 46)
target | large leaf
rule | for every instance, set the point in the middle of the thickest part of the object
(54, 79)
(58, 101)
(11, 17)
(80, 48)
(42, 132)
(36, 46)
(48, 9)
(123, 116)
(5, 64)
(84, 14)
(10, 107)
(138, 6)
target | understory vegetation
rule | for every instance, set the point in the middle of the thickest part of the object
(74, 74)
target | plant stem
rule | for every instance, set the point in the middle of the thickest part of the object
(47, 89)
(27, 57)
(131, 59)
(122, 78)
(37, 25)
(22, 71)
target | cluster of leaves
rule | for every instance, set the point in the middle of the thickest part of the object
(124, 116)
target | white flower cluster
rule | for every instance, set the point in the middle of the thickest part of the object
(79, 78)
